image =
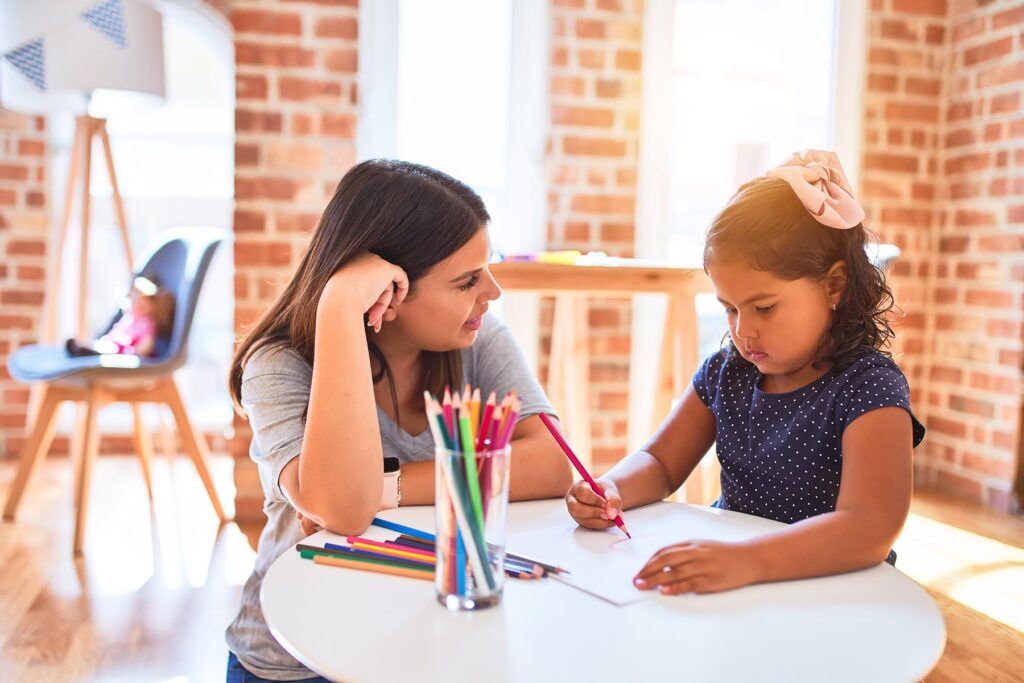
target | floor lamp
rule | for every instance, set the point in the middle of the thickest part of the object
(87, 57)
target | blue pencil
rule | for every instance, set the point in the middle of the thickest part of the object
(401, 528)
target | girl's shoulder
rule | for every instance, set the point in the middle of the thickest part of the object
(871, 367)
(723, 368)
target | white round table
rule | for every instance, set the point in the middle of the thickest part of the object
(354, 626)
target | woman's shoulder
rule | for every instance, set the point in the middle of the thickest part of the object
(275, 359)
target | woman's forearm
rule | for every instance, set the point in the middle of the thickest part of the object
(340, 471)
(538, 470)
(835, 542)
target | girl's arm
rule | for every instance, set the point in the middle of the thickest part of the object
(668, 458)
(539, 468)
(340, 488)
(873, 503)
(653, 472)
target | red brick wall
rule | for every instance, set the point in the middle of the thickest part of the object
(295, 125)
(943, 137)
(593, 150)
(24, 226)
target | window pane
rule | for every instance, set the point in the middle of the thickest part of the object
(453, 88)
(752, 83)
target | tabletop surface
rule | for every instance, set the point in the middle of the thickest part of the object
(870, 625)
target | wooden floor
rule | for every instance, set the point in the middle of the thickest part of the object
(158, 584)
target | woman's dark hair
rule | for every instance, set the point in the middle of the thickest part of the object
(410, 215)
(768, 227)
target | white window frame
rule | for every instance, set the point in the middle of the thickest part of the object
(525, 204)
(653, 200)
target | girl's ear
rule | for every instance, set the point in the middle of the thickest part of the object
(390, 314)
(835, 283)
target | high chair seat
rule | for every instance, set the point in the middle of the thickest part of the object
(179, 263)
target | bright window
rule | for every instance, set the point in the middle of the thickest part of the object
(751, 83)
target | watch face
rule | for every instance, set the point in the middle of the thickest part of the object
(391, 464)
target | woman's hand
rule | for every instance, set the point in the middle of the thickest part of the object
(370, 283)
(698, 567)
(309, 525)
(590, 510)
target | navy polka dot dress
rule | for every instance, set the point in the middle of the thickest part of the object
(781, 454)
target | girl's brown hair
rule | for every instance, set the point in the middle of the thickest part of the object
(410, 215)
(768, 227)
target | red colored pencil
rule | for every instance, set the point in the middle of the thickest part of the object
(485, 423)
(580, 468)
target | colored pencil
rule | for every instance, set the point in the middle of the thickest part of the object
(402, 529)
(476, 550)
(373, 567)
(410, 554)
(485, 423)
(472, 476)
(356, 557)
(423, 543)
(362, 555)
(580, 468)
(474, 413)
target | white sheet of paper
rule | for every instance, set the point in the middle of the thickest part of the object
(603, 563)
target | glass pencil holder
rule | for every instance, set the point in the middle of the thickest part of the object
(471, 515)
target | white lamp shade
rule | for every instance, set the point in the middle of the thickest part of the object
(56, 55)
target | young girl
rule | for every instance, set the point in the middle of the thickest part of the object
(810, 415)
(389, 300)
(147, 314)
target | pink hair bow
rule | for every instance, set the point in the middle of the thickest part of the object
(818, 180)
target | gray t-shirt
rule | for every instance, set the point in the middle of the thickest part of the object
(275, 393)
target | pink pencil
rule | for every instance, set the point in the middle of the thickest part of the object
(485, 423)
(447, 406)
(580, 468)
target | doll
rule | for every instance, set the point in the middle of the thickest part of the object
(148, 313)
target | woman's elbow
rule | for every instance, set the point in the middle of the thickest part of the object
(561, 479)
(348, 516)
(349, 522)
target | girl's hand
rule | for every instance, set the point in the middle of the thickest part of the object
(590, 510)
(372, 284)
(698, 567)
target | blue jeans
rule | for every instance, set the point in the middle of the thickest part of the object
(239, 674)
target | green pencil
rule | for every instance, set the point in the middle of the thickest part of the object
(471, 474)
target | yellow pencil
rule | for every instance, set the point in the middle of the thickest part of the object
(419, 557)
(379, 568)
(474, 414)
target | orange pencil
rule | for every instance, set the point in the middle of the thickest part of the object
(423, 574)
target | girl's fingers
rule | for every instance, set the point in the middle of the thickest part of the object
(694, 584)
(668, 576)
(586, 495)
(666, 559)
(586, 515)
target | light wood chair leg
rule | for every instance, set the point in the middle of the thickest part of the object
(77, 443)
(143, 448)
(34, 451)
(83, 475)
(195, 444)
